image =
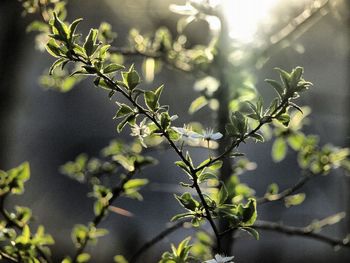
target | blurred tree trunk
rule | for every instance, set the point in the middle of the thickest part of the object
(347, 24)
(11, 43)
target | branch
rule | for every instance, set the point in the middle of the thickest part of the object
(276, 197)
(7, 256)
(172, 144)
(156, 239)
(10, 222)
(236, 143)
(308, 232)
(117, 191)
(297, 26)
(163, 57)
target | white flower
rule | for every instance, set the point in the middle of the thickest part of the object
(220, 259)
(141, 131)
(209, 134)
(187, 133)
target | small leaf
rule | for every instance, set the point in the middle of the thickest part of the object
(119, 259)
(284, 119)
(272, 189)
(294, 200)
(56, 64)
(183, 166)
(151, 100)
(61, 27)
(216, 165)
(277, 86)
(279, 150)
(112, 68)
(285, 77)
(251, 231)
(197, 104)
(258, 137)
(73, 27)
(180, 216)
(53, 49)
(131, 78)
(187, 201)
(130, 118)
(206, 176)
(90, 41)
(222, 195)
(83, 258)
(248, 212)
(135, 183)
(123, 110)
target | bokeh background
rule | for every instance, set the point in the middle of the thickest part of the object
(48, 128)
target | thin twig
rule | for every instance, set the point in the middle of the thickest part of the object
(295, 27)
(307, 232)
(237, 142)
(176, 149)
(156, 239)
(10, 222)
(116, 192)
(276, 197)
(7, 256)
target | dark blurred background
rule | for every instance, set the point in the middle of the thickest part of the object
(48, 128)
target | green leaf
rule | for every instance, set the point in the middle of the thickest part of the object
(131, 78)
(129, 119)
(183, 246)
(294, 200)
(296, 141)
(272, 107)
(248, 212)
(16, 178)
(251, 231)
(277, 86)
(90, 41)
(239, 124)
(258, 137)
(165, 120)
(285, 77)
(284, 118)
(279, 150)
(135, 183)
(79, 234)
(187, 201)
(296, 75)
(197, 104)
(222, 195)
(67, 260)
(183, 166)
(53, 48)
(113, 67)
(123, 110)
(103, 51)
(61, 27)
(256, 113)
(151, 100)
(159, 92)
(57, 63)
(206, 176)
(73, 27)
(216, 165)
(180, 216)
(272, 189)
(83, 258)
(119, 259)
(99, 208)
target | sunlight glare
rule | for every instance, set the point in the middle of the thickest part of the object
(244, 16)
